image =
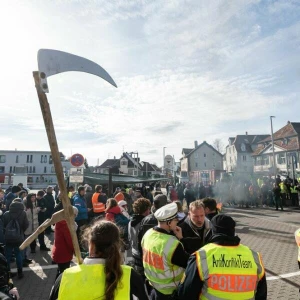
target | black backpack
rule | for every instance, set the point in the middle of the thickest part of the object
(13, 233)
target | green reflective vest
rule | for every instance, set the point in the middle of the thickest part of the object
(88, 282)
(158, 249)
(294, 190)
(228, 272)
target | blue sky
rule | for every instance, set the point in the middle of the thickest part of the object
(186, 70)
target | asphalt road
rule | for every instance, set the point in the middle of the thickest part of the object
(265, 230)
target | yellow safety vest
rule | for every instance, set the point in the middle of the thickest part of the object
(297, 238)
(294, 190)
(88, 282)
(282, 188)
(229, 272)
(158, 249)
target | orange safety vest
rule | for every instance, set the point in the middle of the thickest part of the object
(98, 207)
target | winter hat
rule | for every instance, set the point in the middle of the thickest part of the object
(122, 203)
(119, 197)
(159, 201)
(223, 224)
(15, 189)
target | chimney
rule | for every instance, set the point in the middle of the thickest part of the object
(114, 157)
(196, 144)
(246, 132)
(289, 122)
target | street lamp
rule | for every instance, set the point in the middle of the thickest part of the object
(274, 162)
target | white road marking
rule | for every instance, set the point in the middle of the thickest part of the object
(287, 275)
(41, 268)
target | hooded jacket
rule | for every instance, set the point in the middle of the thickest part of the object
(79, 203)
(133, 228)
(16, 211)
(63, 249)
(112, 212)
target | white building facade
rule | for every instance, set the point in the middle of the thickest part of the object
(36, 165)
(238, 158)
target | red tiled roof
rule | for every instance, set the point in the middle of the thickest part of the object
(290, 129)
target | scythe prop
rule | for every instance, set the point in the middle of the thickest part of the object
(51, 62)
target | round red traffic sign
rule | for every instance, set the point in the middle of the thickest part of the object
(77, 160)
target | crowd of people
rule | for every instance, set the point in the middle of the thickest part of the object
(181, 246)
(260, 192)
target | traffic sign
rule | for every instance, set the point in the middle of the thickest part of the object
(77, 160)
(76, 171)
(76, 178)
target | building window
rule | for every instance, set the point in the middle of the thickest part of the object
(10, 169)
(52, 170)
(17, 158)
(50, 159)
(28, 158)
(45, 169)
(33, 169)
(2, 170)
(45, 158)
(244, 157)
(42, 158)
(124, 162)
(31, 156)
(265, 160)
(205, 164)
(2, 158)
(196, 165)
(14, 169)
(243, 147)
(281, 159)
(204, 154)
(30, 169)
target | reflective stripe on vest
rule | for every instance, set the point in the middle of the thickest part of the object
(88, 282)
(158, 249)
(294, 190)
(228, 272)
(98, 207)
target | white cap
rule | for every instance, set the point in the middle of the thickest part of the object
(122, 203)
(167, 212)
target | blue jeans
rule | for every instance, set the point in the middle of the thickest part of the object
(18, 253)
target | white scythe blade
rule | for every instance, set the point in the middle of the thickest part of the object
(53, 62)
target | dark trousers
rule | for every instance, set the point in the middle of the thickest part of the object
(156, 295)
(18, 253)
(278, 202)
(41, 238)
(61, 267)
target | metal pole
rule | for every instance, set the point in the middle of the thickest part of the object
(163, 168)
(274, 162)
(293, 168)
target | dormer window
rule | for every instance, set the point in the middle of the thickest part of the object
(243, 147)
(285, 141)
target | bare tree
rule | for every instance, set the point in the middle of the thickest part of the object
(218, 145)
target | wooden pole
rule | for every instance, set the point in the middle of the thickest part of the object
(68, 209)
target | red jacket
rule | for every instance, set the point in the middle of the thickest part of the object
(110, 214)
(62, 250)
